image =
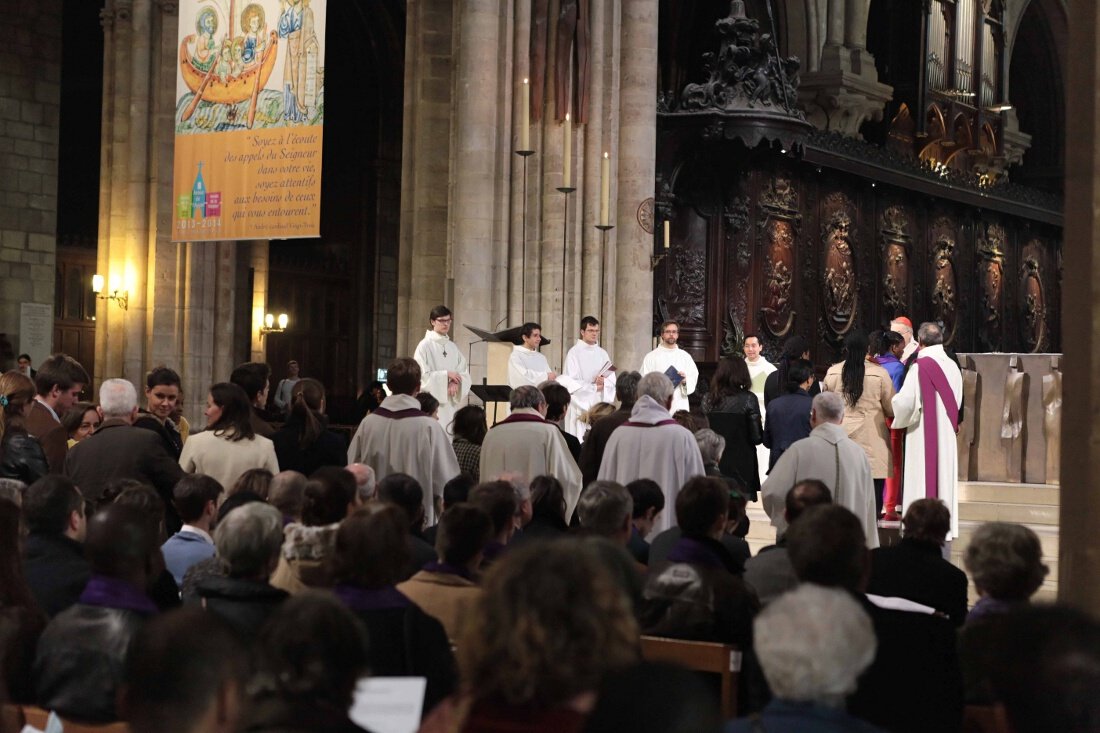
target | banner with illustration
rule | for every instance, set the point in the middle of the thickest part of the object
(250, 107)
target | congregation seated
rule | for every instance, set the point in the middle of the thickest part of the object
(21, 620)
(185, 673)
(550, 626)
(286, 493)
(732, 538)
(696, 592)
(649, 502)
(255, 480)
(369, 559)
(81, 656)
(447, 587)
(12, 489)
(547, 512)
(53, 559)
(162, 587)
(214, 566)
(307, 661)
(330, 496)
(456, 491)
(365, 481)
(654, 697)
(195, 497)
(498, 500)
(915, 568)
(916, 666)
(770, 572)
(404, 492)
(248, 541)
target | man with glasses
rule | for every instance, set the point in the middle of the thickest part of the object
(445, 374)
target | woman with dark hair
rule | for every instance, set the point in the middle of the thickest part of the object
(778, 382)
(254, 480)
(370, 558)
(229, 446)
(162, 398)
(734, 414)
(470, 430)
(867, 391)
(21, 455)
(21, 620)
(305, 443)
(547, 512)
(81, 421)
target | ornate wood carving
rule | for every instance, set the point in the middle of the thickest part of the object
(736, 219)
(840, 289)
(778, 222)
(944, 297)
(991, 253)
(1033, 300)
(894, 228)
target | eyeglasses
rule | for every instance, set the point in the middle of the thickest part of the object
(443, 320)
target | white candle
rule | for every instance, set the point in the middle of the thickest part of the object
(605, 190)
(566, 177)
(525, 117)
(666, 234)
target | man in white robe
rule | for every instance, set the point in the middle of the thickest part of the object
(587, 375)
(669, 354)
(526, 365)
(759, 369)
(904, 326)
(654, 446)
(399, 438)
(525, 443)
(927, 407)
(444, 373)
(829, 456)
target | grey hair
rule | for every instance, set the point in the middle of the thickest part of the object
(117, 398)
(12, 490)
(249, 539)
(286, 492)
(365, 479)
(1005, 561)
(626, 387)
(526, 396)
(655, 385)
(605, 507)
(930, 334)
(711, 445)
(813, 643)
(829, 407)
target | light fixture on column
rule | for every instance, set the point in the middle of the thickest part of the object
(122, 297)
(269, 324)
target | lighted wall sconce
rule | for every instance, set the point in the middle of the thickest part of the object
(655, 260)
(270, 321)
(122, 297)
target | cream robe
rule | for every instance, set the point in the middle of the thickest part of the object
(531, 448)
(660, 359)
(436, 354)
(527, 367)
(582, 366)
(758, 372)
(418, 446)
(908, 414)
(826, 454)
(667, 454)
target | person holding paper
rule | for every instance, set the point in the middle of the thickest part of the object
(589, 376)
(526, 365)
(674, 362)
(444, 373)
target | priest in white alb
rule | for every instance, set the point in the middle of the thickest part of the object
(759, 369)
(669, 354)
(527, 365)
(525, 443)
(398, 437)
(589, 376)
(444, 373)
(927, 407)
(654, 446)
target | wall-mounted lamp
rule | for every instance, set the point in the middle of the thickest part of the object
(122, 297)
(270, 321)
(655, 260)
(997, 108)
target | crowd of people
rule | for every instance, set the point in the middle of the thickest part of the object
(247, 576)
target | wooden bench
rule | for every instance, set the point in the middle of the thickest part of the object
(984, 719)
(37, 717)
(723, 660)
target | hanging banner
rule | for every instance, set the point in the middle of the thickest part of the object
(250, 107)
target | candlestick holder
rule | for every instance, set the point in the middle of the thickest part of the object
(604, 229)
(565, 191)
(524, 154)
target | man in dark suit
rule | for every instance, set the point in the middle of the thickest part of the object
(915, 568)
(120, 450)
(59, 382)
(53, 557)
(24, 366)
(626, 387)
(788, 417)
(254, 378)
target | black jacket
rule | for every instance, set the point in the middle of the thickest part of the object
(328, 450)
(55, 569)
(243, 604)
(170, 437)
(773, 389)
(737, 419)
(22, 458)
(596, 441)
(787, 421)
(917, 571)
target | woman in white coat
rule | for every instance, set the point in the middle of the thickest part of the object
(228, 447)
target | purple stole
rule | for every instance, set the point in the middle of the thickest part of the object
(933, 383)
(519, 417)
(399, 414)
(632, 424)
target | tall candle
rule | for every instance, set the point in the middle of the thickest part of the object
(605, 190)
(566, 177)
(525, 117)
(666, 234)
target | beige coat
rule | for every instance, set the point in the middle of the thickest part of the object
(866, 422)
(445, 596)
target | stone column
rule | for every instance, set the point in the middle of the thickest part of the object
(1079, 548)
(258, 261)
(633, 181)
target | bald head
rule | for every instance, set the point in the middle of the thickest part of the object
(364, 480)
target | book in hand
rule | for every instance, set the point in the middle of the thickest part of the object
(674, 376)
(606, 370)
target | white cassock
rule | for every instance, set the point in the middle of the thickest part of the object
(527, 367)
(758, 372)
(908, 414)
(527, 444)
(830, 456)
(436, 354)
(583, 364)
(654, 446)
(660, 359)
(399, 438)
